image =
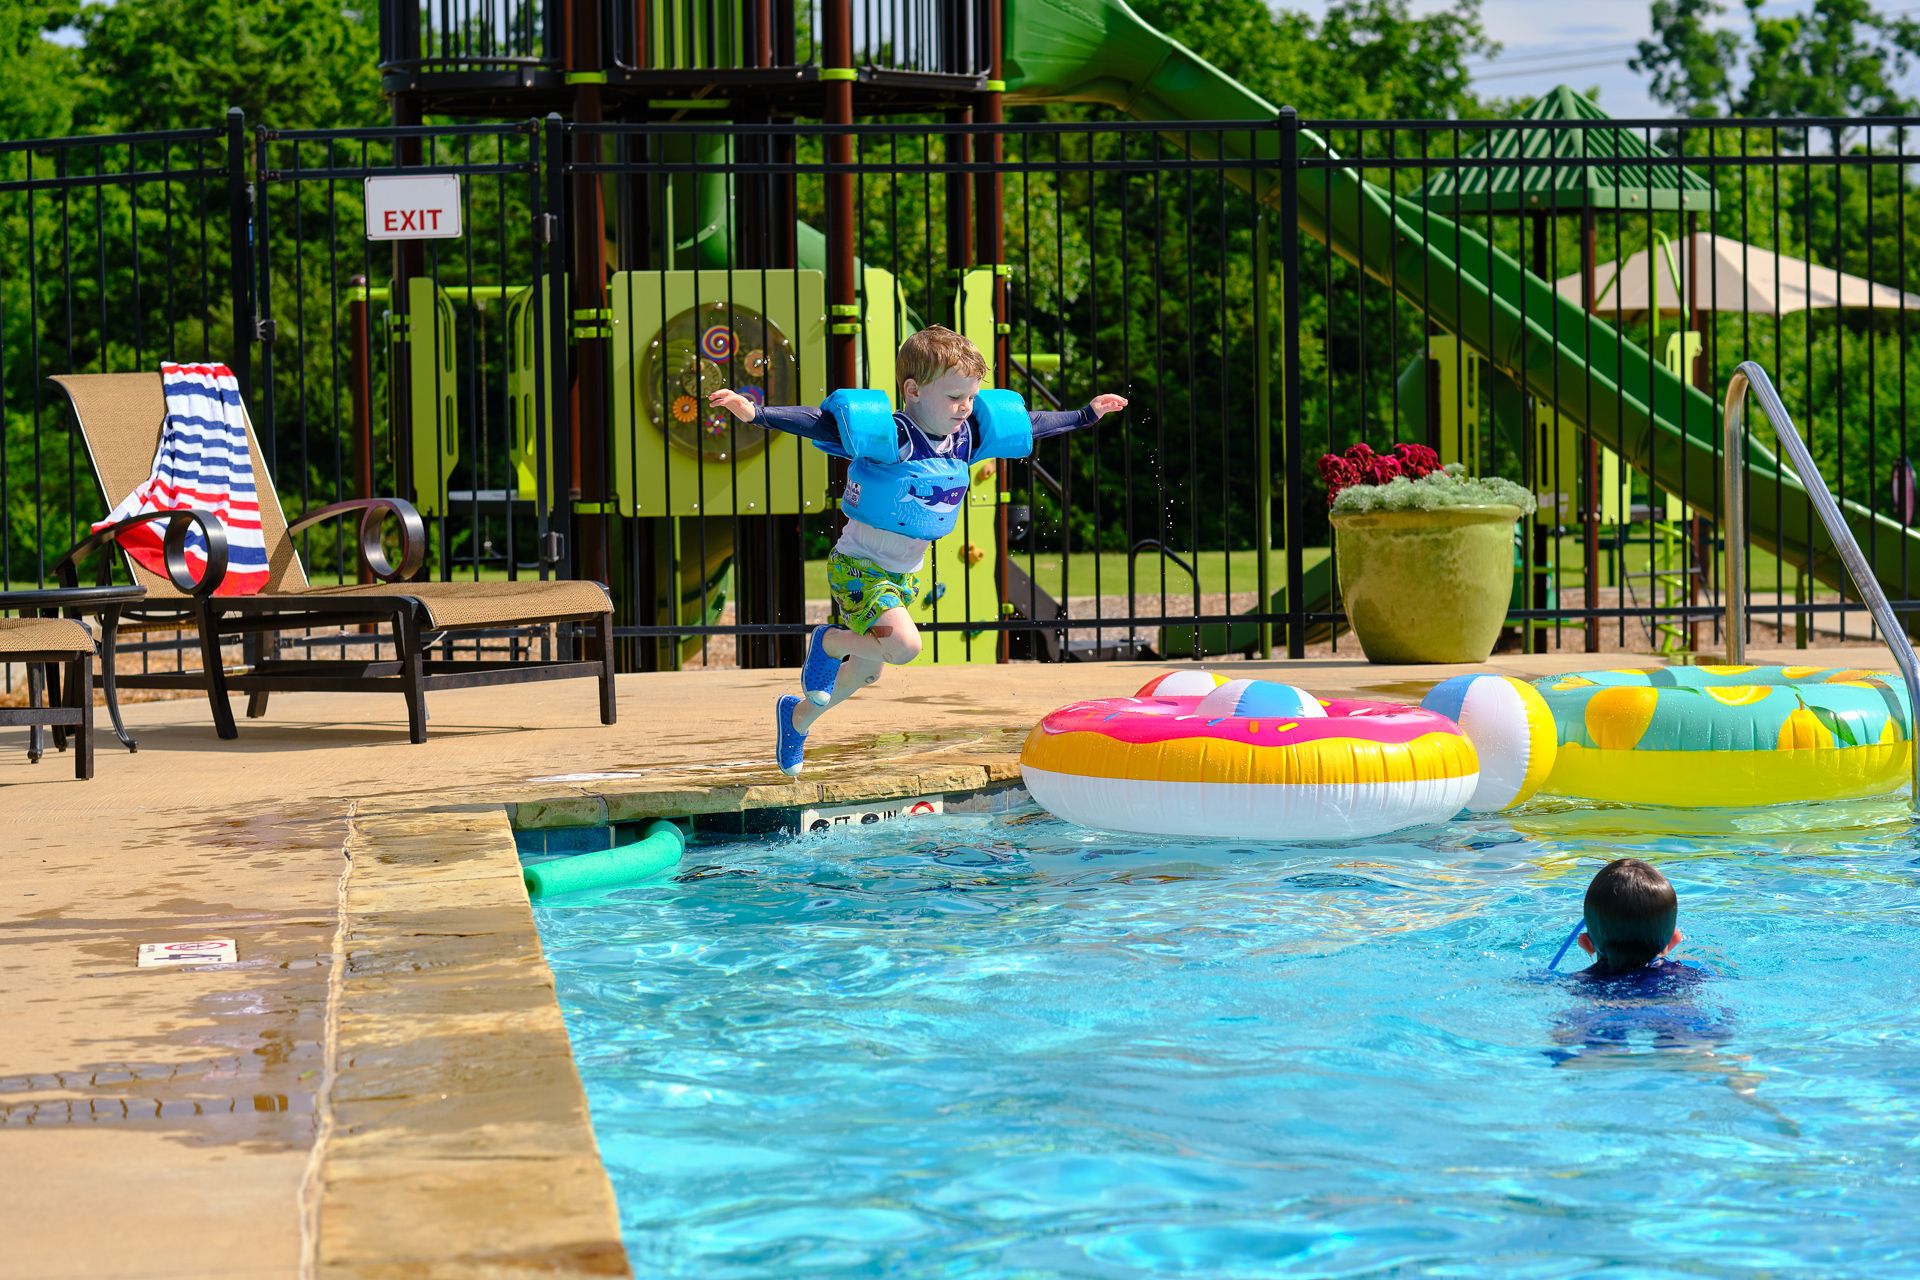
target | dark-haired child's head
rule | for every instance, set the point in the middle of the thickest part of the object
(1631, 909)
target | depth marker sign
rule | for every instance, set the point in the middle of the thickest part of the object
(827, 817)
(414, 207)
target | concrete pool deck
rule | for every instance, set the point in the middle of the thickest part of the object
(381, 1085)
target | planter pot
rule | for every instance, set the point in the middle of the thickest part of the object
(1426, 586)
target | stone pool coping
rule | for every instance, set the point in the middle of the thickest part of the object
(383, 1084)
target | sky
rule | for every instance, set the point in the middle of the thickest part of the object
(1585, 44)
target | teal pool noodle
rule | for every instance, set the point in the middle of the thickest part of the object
(656, 851)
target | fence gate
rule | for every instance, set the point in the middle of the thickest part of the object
(401, 308)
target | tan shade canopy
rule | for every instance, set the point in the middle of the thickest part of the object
(1731, 275)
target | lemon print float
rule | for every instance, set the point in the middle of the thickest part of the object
(1724, 736)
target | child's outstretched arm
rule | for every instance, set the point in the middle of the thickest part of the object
(1048, 423)
(795, 419)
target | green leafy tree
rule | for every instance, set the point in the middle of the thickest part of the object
(1842, 58)
(1363, 58)
(291, 63)
(39, 72)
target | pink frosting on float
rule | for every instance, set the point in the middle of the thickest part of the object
(1141, 721)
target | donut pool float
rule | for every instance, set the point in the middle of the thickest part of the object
(1191, 755)
(1724, 736)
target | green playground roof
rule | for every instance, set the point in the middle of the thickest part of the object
(1639, 181)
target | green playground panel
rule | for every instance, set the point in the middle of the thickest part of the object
(433, 392)
(883, 312)
(788, 475)
(524, 427)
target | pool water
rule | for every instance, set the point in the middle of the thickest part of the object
(1000, 1046)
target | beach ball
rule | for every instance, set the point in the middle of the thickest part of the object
(1511, 729)
(1181, 684)
(1260, 700)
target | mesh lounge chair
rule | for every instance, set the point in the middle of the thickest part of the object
(119, 416)
(40, 641)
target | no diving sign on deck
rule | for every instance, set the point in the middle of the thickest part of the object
(173, 955)
(413, 207)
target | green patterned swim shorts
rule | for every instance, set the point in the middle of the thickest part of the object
(864, 590)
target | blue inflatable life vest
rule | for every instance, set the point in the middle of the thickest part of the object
(920, 498)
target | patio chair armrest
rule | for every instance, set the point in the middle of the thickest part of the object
(373, 553)
(174, 548)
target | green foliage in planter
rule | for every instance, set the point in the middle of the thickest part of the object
(1448, 488)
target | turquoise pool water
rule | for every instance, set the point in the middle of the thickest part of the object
(998, 1046)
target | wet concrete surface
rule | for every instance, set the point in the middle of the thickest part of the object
(381, 1085)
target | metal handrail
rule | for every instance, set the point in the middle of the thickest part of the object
(1751, 375)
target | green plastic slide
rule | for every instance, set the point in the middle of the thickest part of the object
(1100, 51)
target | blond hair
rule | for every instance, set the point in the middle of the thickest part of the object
(934, 350)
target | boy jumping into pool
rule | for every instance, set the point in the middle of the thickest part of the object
(873, 574)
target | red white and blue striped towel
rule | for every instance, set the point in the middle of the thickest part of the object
(202, 463)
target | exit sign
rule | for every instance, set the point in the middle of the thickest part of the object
(413, 208)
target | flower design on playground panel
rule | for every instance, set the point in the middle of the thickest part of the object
(685, 408)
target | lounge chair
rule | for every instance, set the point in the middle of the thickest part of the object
(119, 416)
(39, 643)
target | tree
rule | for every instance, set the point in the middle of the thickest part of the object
(170, 64)
(1363, 58)
(39, 73)
(1688, 61)
(1844, 58)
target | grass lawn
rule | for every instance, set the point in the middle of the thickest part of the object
(1762, 568)
(1215, 566)
(1212, 566)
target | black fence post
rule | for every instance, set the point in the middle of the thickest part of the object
(240, 257)
(557, 298)
(1290, 380)
(259, 323)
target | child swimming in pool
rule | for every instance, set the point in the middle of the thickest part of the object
(1633, 995)
(1631, 910)
(873, 574)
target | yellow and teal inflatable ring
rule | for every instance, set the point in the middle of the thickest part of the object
(1703, 737)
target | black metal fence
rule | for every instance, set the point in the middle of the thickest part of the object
(1556, 301)
(1660, 254)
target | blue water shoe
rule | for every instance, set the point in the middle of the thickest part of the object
(822, 670)
(790, 744)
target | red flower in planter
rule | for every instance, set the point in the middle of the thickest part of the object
(1338, 473)
(1361, 465)
(1416, 460)
(1382, 468)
